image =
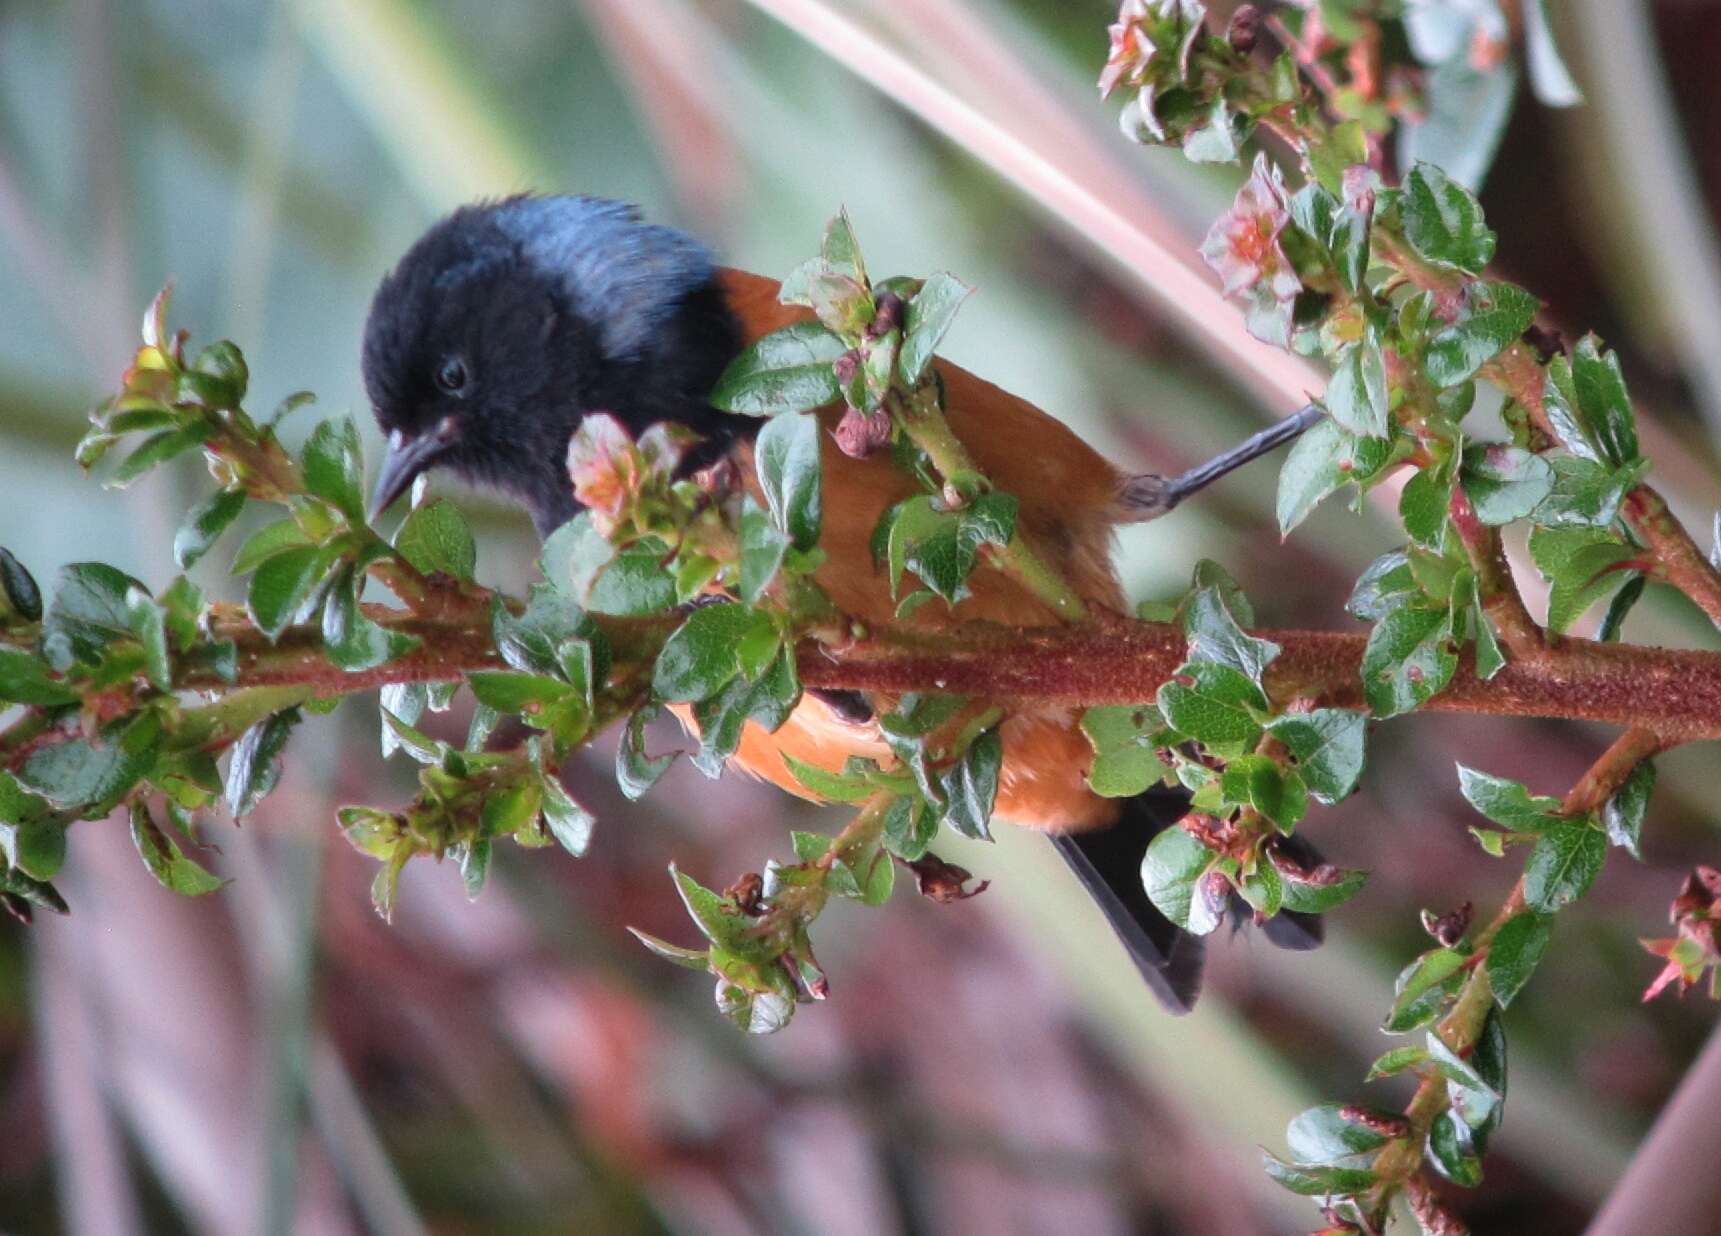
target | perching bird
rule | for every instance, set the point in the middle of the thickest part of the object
(507, 322)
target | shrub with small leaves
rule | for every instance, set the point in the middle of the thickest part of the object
(699, 593)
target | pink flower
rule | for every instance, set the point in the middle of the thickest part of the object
(1133, 38)
(1243, 245)
(604, 467)
(1131, 49)
(611, 471)
(1697, 946)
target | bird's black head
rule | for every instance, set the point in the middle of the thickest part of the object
(507, 322)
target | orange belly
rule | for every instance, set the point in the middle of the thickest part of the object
(1066, 493)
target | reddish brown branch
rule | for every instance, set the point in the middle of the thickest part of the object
(1678, 559)
(1399, 1165)
(1676, 692)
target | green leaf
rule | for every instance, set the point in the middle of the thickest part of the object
(149, 624)
(266, 542)
(762, 1011)
(691, 959)
(636, 772)
(1443, 221)
(1409, 659)
(1516, 951)
(1126, 761)
(574, 554)
(155, 451)
(768, 698)
(1563, 864)
(255, 766)
(87, 613)
(840, 250)
(182, 611)
(875, 874)
(926, 320)
(1423, 988)
(83, 776)
(909, 827)
(763, 545)
(1328, 744)
(19, 588)
(1307, 1181)
(1505, 483)
(842, 303)
(483, 724)
(971, 787)
(36, 847)
(1317, 896)
(1172, 873)
(789, 370)
(205, 524)
(720, 720)
(1424, 506)
(1357, 394)
(386, 886)
(833, 787)
(534, 641)
(701, 656)
(1215, 636)
(1330, 1134)
(1585, 493)
(1601, 393)
(334, 466)
(695, 572)
(352, 640)
(1396, 1061)
(1384, 587)
(1324, 459)
(165, 860)
(570, 823)
(1567, 414)
(25, 680)
(634, 581)
(786, 457)
(284, 583)
(1253, 781)
(1213, 704)
(716, 917)
(436, 538)
(1450, 1065)
(1507, 802)
(509, 691)
(1622, 815)
(370, 831)
(474, 860)
(512, 809)
(406, 702)
(1490, 657)
(1452, 1151)
(1496, 316)
(1579, 565)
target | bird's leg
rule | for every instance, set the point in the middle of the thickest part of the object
(1149, 496)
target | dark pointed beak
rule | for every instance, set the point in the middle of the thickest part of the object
(406, 459)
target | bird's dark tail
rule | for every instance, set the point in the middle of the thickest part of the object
(1108, 863)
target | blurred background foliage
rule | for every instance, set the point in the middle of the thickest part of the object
(275, 1059)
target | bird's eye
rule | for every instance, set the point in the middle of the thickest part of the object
(451, 375)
